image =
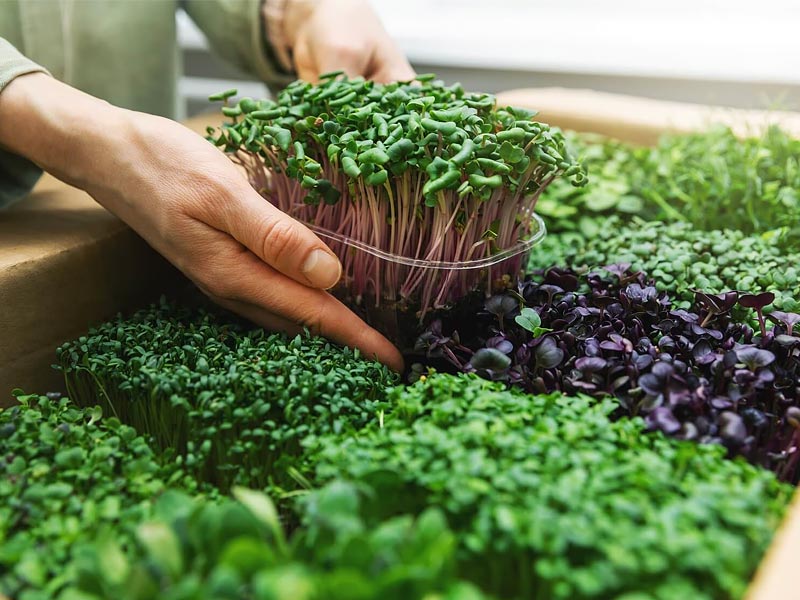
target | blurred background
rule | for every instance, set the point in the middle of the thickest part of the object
(728, 52)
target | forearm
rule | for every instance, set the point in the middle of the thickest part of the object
(59, 128)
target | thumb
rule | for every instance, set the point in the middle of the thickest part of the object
(280, 241)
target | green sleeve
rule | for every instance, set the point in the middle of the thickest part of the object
(17, 175)
(235, 30)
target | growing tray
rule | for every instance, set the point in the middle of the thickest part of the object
(63, 256)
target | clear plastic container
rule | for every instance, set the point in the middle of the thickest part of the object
(396, 292)
(391, 250)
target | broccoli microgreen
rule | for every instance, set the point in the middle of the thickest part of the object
(421, 170)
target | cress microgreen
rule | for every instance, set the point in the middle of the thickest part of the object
(231, 402)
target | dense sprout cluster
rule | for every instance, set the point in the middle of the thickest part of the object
(680, 258)
(231, 402)
(453, 478)
(86, 514)
(68, 477)
(552, 499)
(237, 550)
(711, 179)
(695, 375)
(420, 170)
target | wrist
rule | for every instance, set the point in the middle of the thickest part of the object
(64, 131)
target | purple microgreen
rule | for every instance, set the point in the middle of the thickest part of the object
(501, 306)
(616, 334)
(788, 319)
(715, 304)
(754, 358)
(661, 418)
(758, 302)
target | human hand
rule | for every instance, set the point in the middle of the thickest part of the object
(191, 204)
(346, 35)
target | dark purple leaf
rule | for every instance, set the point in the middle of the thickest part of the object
(717, 303)
(793, 416)
(754, 357)
(662, 419)
(617, 343)
(764, 377)
(590, 364)
(789, 319)
(732, 428)
(500, 343)
(757, 301)
(665, 325)
(652, 385)
(522, 355)
(619, 269)
(642, 361)
(662, 370)
(787, 340)
(548, 354)
(684, 316)
(721, 402)
(666, 344)
(583, 386)
(490, 359)
(701, 331)
(501, 305)
(550, 290)
(641, 294)
(729, 360)
(702, 349)
(754, 417)
(604, 301)
(562, 278)
(584, 311)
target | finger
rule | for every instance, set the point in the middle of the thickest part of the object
(342, 55)
(389, 64)
(304, 60)
(396, 72)
(229, 273)
(277, 239)
(319, 311)
(312, 58)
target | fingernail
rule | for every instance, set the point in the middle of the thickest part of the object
(322, 269)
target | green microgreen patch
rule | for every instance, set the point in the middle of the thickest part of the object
(232, 403)
(550, 498)
(711, 179)
(236, 550)
(681, 258)
(68, 476)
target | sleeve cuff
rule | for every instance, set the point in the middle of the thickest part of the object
(17, 175)
(265, 63)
